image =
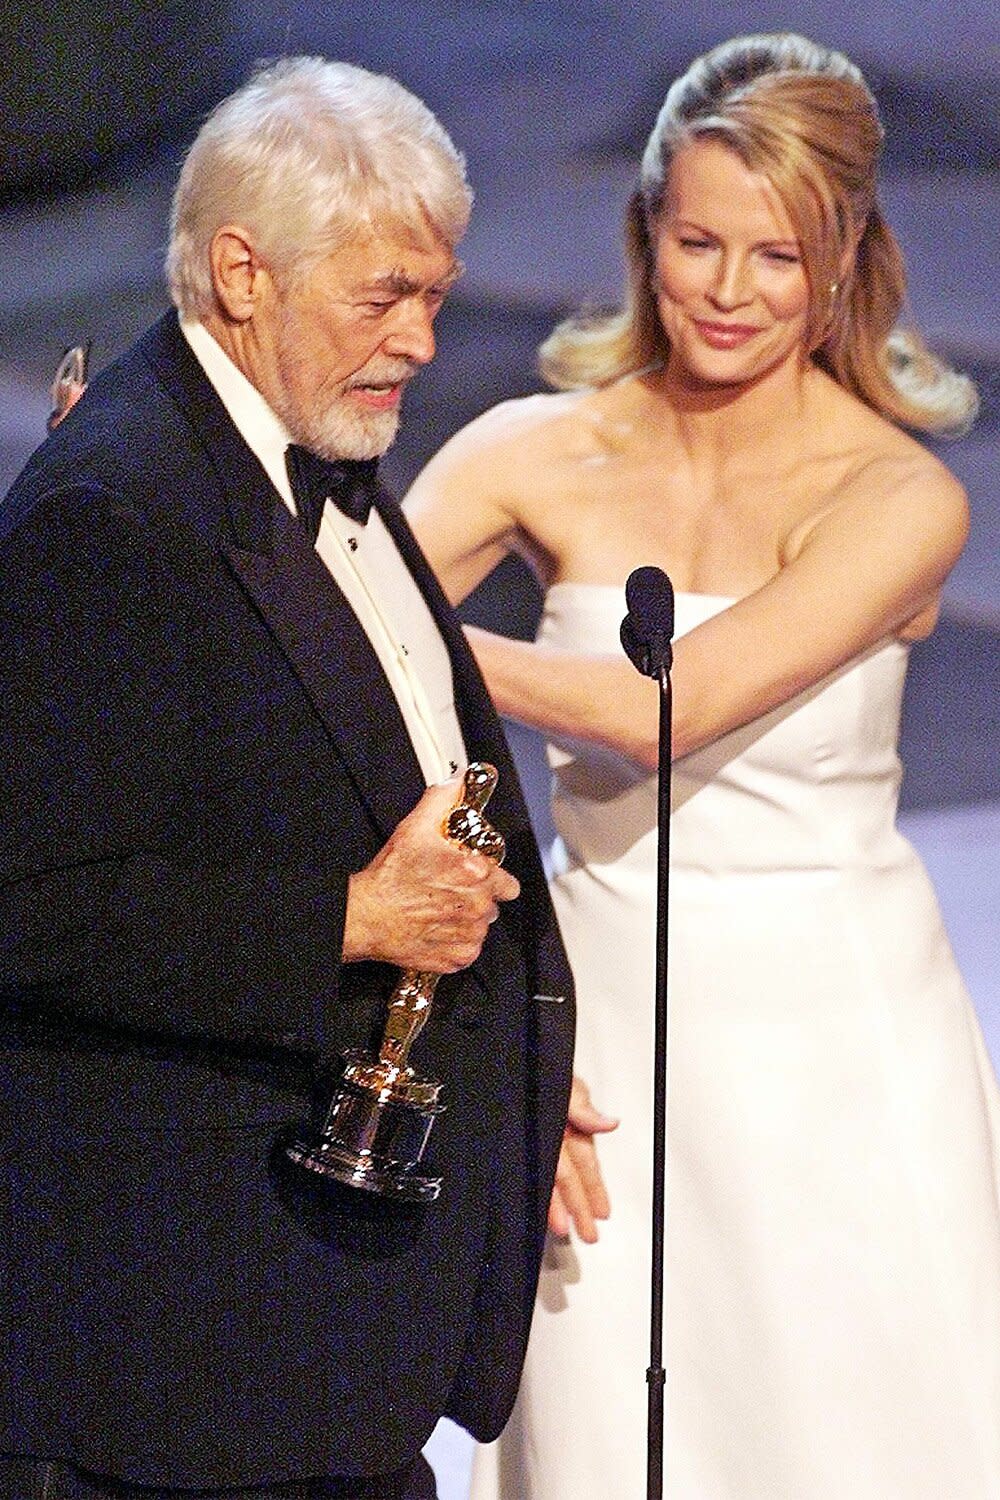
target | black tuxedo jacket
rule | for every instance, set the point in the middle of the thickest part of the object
(198, 747)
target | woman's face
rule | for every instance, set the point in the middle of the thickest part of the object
(730, 285)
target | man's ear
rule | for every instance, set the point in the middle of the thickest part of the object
(237, 272)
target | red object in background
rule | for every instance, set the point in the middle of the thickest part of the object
(70, 382)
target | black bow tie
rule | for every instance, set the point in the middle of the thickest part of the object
(348, 482)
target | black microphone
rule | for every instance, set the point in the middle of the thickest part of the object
(647, 628)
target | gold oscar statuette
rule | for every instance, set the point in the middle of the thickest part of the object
(381, 1114)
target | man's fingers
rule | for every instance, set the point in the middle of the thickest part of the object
(457, 865)
(506, 887)
(425, 901)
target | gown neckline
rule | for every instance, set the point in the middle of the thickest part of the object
(619, 589)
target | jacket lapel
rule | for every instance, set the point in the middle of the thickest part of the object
(334, 661)
(481, 728)
(293, 594)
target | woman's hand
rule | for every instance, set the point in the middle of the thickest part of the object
(579, 1197)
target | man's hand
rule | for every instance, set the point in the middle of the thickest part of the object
(425, 902)
(579, 1196)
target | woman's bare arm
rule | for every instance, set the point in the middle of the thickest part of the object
(467, 506)
(869, 567)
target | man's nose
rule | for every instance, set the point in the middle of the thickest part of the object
(412, 334)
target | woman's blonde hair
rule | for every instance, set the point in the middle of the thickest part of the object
(802, 116)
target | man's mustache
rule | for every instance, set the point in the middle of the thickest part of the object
(393, 372)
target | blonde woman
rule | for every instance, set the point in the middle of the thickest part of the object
(833, 1254)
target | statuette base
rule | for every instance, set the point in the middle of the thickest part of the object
(374, 1134)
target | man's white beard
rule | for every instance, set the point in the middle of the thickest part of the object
(340, 428)
(341, 431)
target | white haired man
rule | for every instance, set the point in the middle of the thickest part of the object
(228, 710)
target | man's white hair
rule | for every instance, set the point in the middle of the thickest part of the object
(303, 156)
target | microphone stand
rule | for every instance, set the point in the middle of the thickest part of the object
(655, 1374)
(645, 636)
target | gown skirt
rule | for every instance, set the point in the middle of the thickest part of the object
(832, 1315)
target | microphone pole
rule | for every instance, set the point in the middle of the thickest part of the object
(646, 633)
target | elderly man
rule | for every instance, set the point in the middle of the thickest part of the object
(228, 707)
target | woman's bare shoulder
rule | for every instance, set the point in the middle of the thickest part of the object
(530, 430)
(501, 484)
(890, 498)
(897, 467)
(883, 464)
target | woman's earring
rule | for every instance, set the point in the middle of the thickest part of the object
(831, 313)
(833, 309)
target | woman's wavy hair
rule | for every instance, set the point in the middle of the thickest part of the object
(804, 117)
(304, 155)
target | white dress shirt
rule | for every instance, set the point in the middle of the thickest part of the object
(366, 566)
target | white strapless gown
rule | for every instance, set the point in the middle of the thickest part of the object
(832, 1327)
